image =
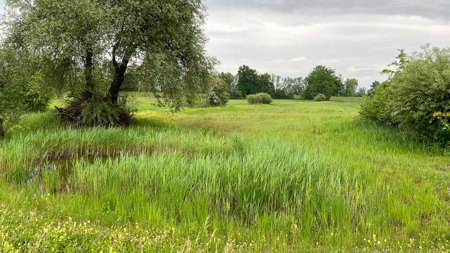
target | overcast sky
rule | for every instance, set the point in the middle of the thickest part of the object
(357, 38)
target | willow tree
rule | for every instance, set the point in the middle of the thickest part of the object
(79, 38)
(22, 86)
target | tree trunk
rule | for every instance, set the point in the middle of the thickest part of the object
(2, 131)
(88, 74)
(119, 76)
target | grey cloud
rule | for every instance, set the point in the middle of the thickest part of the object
(356, 45)
(433, 8)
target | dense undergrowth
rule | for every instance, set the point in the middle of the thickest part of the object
(265, 180)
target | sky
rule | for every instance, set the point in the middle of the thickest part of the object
(357, 38)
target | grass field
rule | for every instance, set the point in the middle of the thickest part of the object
(293, 176)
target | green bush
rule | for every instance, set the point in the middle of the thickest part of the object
(235, 94)
(415, 95)
(219, 95)
(96, 111)
(254, 99)
(320, 97)
(260, 98)
(265, 98)
(283, 94)
(374, 107)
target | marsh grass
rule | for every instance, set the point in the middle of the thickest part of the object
(292, 176)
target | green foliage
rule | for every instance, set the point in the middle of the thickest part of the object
(320, 97)
(104, 114)
(322, 80)
(401, 60)
(361, 92)
(374, 108)
(132, 79)
(443, 134)
(265, 84)
(418, 90)
(219, 95)
(84, 41)
(292, 85)
(374, 85)
(283, 94)
(250, 82)
(260, 98)
(229, 78)
(235, 93)
(349, 88)
(23, 88)
(254, 99)
(96, 112)
(247, 80)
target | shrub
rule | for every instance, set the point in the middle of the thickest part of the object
(415, 95)
(219, 95)
(320, 97)
(260, 98)
(283, 94)
(235, 94)
(265, 98)
(96, 112)
(374, 107)
(254, 99)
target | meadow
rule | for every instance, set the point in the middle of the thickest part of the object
(293, 176)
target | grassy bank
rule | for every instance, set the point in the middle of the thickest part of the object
(292, 176)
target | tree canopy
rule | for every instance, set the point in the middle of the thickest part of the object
(322, 80)
(349, 87)
(22, 86)
(80, 38)
(250, 82)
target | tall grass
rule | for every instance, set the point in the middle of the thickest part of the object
(327, 183)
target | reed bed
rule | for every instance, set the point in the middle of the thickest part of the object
(318, 185)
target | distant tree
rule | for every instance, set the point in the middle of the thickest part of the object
(350, 86)
(131, 81)
(293, 85)
(373, 87)
(361, 92)
(286, 88)
(229, 78)
(277, 81)
(250, 82)
(247, 80)
(321, 80)
(282, 94)
(265, 84)
(235, 93)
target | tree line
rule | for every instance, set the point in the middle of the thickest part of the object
(322, 80)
